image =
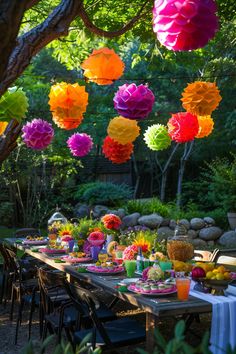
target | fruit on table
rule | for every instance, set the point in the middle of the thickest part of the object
(198, 272)
(180, 266)
(206, 266)
(219, 273)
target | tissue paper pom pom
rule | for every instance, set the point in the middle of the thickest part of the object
(13, 105)
(116, 152)
(206, 125)
(183, 127)
(103, 66)
(185, 24)
(157, 138)
(37, 134)
(123, 130)
(80, 144)
(201, 98)
(68, 102)
(134, 102)
(3, 126)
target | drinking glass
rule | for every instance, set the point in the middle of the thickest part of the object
(165, 265)
(183, 287)
(130, 267)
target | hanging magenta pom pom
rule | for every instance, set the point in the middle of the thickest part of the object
(134, 102)
(37, 134)
(185, 24)
(80, 144)
(183, 127)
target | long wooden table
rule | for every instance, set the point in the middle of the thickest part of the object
(154, 307)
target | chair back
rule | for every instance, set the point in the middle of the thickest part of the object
(27, 232)
(83, 298)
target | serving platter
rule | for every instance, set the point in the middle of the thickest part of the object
(76, 259)
(105, 271)
(35, 242)
(158, 292)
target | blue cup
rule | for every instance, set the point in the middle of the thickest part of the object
(94, 252)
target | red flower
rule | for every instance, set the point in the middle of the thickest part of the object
(116, 152)
(183, 127)
(111, 221)
(96, 238)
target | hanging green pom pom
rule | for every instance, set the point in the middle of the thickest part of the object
(157, 138)
(13, 105)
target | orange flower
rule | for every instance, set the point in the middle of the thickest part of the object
(111, 221)
(103, 66)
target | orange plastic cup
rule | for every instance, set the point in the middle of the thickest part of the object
(183, 287)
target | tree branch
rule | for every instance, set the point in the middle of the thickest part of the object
(8, 139)
(111, 34)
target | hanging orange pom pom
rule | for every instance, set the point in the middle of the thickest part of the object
(201, 98)
(3, 126)
(68, 102)
(116, 152)
(103, 66)
(123, 130)
(206, 125)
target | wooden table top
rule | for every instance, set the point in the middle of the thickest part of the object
(158, 306)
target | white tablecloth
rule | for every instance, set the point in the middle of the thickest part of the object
(223, 324)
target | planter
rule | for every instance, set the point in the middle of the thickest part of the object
(232, 220)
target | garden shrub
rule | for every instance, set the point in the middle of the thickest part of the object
(146, 207)
(6, 213)
(106, 193)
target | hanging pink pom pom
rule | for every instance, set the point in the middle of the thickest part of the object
(134, 102)
(185, 24)
(80, 144)
(183, 127)
(37, 134)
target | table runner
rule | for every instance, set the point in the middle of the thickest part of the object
(223, 323)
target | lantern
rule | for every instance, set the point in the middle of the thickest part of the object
(185, 24)
(157, 138)
(201, 98)
(103, 66)
(3, 126)
(13, 105)
(80, 144)
(123, 130)
(134, 102)
(37, 134)
(116, 152)
(206, 125)
(68, 102)
(183, 127)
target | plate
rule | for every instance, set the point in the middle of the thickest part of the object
(129, 280)
(160, 293)
(76, 259)
(51, 250)
(96, 270)
(35, 242)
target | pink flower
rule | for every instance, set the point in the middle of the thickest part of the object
(130, 252)
(96, 238)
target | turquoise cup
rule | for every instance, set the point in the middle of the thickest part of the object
(165, 265)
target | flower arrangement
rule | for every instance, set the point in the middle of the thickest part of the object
(111, 221)
(96, 238)
(154, 273)
(54, 227)
(66, 229)
(130, 253)
(142, 242)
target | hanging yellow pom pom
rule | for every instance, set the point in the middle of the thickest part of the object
(123, 130)
(3, 126)
(68, 102)
(201, 98)
(206, 125)
(103, 66)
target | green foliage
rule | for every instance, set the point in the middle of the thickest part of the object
(178, 345)
(146, 207)
(108, 193)
(6, 213)
(61, 348)
(85, 227)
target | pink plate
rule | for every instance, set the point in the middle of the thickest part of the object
(35, 242)
(76, 260)
(51, 250)
(157, 292)
(105, 271)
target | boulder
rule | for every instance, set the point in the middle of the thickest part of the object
(99, 211)
(210, 221)
(172, 224)
(130, 220)
(197, 223)
(81, 211)
(192, 234)
(228, 239)
(164, 232)
(119, 212)
(198, 243)
(152, 221)
(186, 223)
(165, 222)
(210, 233)
(211, 243)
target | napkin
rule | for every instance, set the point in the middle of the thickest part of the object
(223, 323)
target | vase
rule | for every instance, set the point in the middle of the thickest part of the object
(109, 239)
(94, 252)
